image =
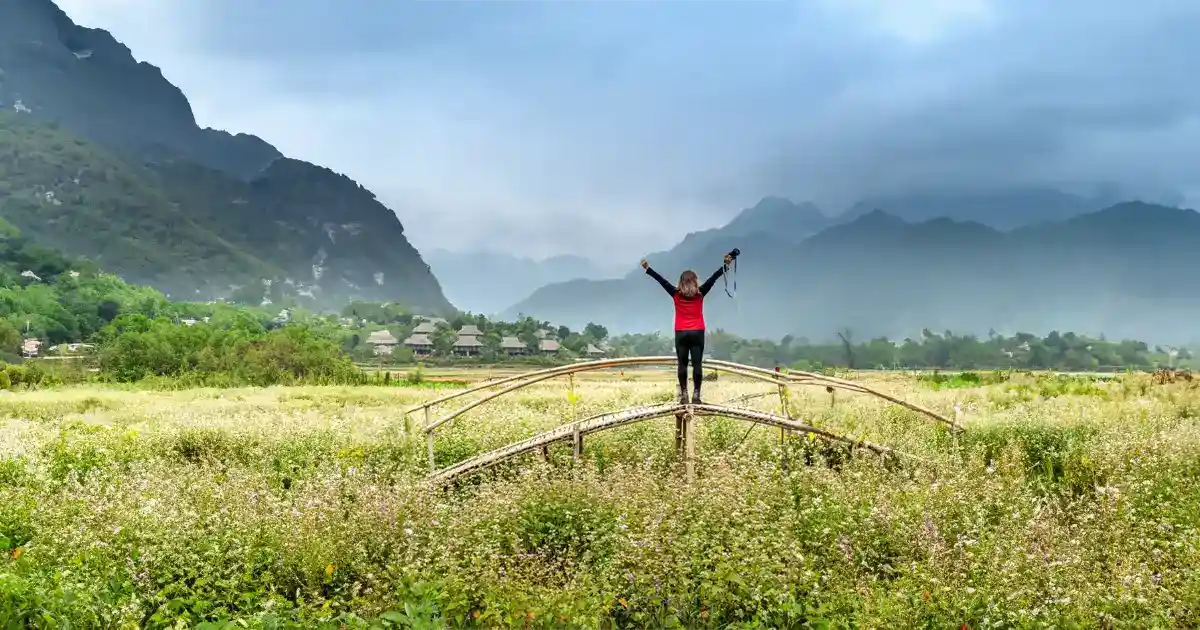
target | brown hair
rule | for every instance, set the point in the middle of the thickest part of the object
(689, 284)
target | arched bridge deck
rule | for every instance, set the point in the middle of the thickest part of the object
(577, 430)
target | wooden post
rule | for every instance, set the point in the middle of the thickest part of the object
(689, 445)
(577, 442)
(783, 432)
(679, 435)
(546, 454)
(429, 443)
(571, 394)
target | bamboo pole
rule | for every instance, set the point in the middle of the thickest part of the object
(783, 444)
(689, 445)
(542, 377)
(571, 394)
(601, 364)
(799, 378)
(429, 443)
(679, 436)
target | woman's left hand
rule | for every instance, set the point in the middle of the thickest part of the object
(728, 259)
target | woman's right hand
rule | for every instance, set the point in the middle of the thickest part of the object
(645, 265)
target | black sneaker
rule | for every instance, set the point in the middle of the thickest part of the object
(683, 399)
(696, 398)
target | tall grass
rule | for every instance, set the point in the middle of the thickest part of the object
(1063, 505)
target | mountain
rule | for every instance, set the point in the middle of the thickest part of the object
(87, 81)
(75, 196)
(1003, 209)
(770, 218)
(102, 157)
(486, 282)
(1122, 271)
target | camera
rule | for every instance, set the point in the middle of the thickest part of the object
(735, 252)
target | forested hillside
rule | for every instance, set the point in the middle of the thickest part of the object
(102, 157)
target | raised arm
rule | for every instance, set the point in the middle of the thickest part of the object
(667, 286)
(712, 280)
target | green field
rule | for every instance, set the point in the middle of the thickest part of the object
(1068, 502)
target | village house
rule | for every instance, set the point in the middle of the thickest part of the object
(420, 344)
(594, 352)
(467, 345)
(470, 330)
(383, 341)
(425, 328)
(514, 347)
(548, 346)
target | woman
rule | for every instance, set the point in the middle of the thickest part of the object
(689, 323)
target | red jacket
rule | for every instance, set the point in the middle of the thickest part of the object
(689, 312)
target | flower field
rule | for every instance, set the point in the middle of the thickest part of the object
(1068, 502)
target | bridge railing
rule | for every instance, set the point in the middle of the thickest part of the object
(513, 383)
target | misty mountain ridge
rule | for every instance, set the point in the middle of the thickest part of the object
(771, 217)
(787, 221)
(229, 212)
(1001, 209)
(1118, 271)
(487, 282)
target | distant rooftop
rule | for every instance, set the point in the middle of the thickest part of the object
(418, 340)
(382, 338)
(468, 341)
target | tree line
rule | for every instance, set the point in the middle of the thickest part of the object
(1055, 351)
(140, 334)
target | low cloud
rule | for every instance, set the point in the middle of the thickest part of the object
(609, 129)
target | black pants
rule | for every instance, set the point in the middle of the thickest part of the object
(689, 342)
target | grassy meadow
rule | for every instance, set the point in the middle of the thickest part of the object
(1069, 502)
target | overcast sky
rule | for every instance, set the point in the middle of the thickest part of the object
(609, 129)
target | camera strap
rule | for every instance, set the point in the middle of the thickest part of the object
(725, 277)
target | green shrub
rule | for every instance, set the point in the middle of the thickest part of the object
(415, 376)
(938, 380)
(138, 348)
